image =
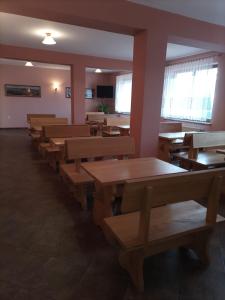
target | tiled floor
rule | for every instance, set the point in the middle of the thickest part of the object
(50, 249)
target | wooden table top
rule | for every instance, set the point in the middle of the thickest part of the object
(174, 135)
(208, 158)
(222, 151)
(37, 128)
(123, 126)
(58, 141)
(109, 172)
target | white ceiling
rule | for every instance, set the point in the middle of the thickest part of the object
(212, 11)
(29, 32)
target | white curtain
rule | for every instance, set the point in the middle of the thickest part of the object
(123, 93)
(189, 90)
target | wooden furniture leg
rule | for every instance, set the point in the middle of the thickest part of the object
(81, 196)
(164, 150)
(133, 262)
(102, 203)
(200, 246)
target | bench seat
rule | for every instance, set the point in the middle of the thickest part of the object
(168, 221)
(42, 148)
(52, 149)
(81, 177)
(35, 135)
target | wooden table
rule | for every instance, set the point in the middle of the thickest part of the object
(109, 174)
(222, 151)
(60, 142)
(37, 128)
(124, 129)
(205, 160)
(169, 142)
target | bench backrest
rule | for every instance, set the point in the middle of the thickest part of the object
(94, 113)
(117, 121)
(96, 117)
(203, 140)
(170, 127)
(67, 131)
(141, 195)
(94, 147)
(48, 121)
(29, 116)
(208, 139)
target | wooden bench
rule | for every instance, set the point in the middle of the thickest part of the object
(170, 127)
(96, 121)
(169, 144)
(55, 153)
(36, 126)
(29, 116)
(91, 113)
(147, 227)
(40, 122)
(112, 123)
(199, 144)
(92, 148)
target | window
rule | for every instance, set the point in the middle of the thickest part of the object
(189, 90)
(123, 93)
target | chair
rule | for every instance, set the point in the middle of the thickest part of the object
(160, 213)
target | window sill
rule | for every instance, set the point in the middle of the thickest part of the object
(188, 121)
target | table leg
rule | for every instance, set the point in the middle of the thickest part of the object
(164, 150)
(102, 203)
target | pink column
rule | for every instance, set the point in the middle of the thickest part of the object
(77, 95)
(218, 122)
(148, 75)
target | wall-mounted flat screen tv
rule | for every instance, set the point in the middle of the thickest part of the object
(105, 91)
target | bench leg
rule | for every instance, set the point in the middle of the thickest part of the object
(102, 203)
(200, 246)
(133, 263)
(81, 196)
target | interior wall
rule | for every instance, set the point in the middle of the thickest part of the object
(94, 79)
(13, 110)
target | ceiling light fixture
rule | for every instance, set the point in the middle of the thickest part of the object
(29, 64)
(98, 71)
(48, 40)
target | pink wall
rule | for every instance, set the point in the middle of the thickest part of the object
(78, 64)
(13, 110)
(92, 80)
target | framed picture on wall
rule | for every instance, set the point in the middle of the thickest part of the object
(68, 92)
(15, 90)
(89, 93)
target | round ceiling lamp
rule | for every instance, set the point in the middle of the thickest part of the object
(98, 71)
(29, 64)
(48, 40)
